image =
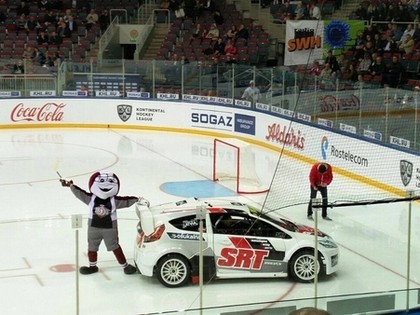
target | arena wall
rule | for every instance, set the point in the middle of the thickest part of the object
(388, 167)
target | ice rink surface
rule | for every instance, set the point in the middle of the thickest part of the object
(39, 244)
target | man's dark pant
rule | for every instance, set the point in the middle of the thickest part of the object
(324, 194)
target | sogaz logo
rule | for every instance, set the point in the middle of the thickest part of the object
(212, 119)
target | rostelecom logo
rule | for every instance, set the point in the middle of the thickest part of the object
(324, 147)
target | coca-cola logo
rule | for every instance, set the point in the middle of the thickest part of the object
(330, 103)
(288, 137)
(45, 113)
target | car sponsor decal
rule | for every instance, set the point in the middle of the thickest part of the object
(242, 256)
(184, 236)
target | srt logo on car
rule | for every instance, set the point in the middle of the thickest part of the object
(243, 256)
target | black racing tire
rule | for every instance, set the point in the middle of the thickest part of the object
(302, 266)
(173, 271)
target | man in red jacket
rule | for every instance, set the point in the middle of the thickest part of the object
(320, 177)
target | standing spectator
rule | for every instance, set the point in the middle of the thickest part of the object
(71, 24)
(104, 20)
(218, 18)
(91, 19)
(44, 5)
(320, 177)
(332, 61)
(252, 93)
(394, 73)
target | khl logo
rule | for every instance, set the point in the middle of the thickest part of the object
(406, 171)
(124, 111)
(324, 147)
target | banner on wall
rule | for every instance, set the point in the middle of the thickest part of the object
(304, 42)
(308, 40)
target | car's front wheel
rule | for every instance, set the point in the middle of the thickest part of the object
(173, 271)
(303, 266)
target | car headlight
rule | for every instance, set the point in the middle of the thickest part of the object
(328, 243)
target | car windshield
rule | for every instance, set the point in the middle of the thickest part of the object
(286, 224)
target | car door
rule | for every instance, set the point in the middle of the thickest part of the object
(245, 245)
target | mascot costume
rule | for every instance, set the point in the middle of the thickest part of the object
(103, 203)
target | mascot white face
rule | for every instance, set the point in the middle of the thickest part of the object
(104, 185)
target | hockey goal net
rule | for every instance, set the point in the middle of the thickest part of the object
(234, 166)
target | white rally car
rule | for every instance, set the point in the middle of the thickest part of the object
(237, 241)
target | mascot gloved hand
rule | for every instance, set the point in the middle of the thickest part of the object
(66, 183)
(143, 202)
(103, 202)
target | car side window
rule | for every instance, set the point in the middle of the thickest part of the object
(244, 225)
(187, 223)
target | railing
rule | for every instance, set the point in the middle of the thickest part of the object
(365, 109)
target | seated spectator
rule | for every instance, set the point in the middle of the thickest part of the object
(350, 72)
(39, 57)
(231, 32)
(408, 31)
(42, 38)
(363, 66)
(217, 49)
(63, 30)
(391, 45)
(360, 13)
(378, 43)
(21, 24)
(213, 32)
(55, 39)
(242, 32)
(198, 31)
(32, 24)
(91, 19)
(377, 67)
(299, 11)
(326, 76)
(50, 18)
(18, 67)
(164, 5)
(315, 69)
(314, 11)
(230, 49)
(407, 46)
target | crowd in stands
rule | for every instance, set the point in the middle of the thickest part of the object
(214, 33)
(385, 53)
(41, 33)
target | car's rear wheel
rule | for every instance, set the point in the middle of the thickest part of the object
(303, 266)
(173, 271)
